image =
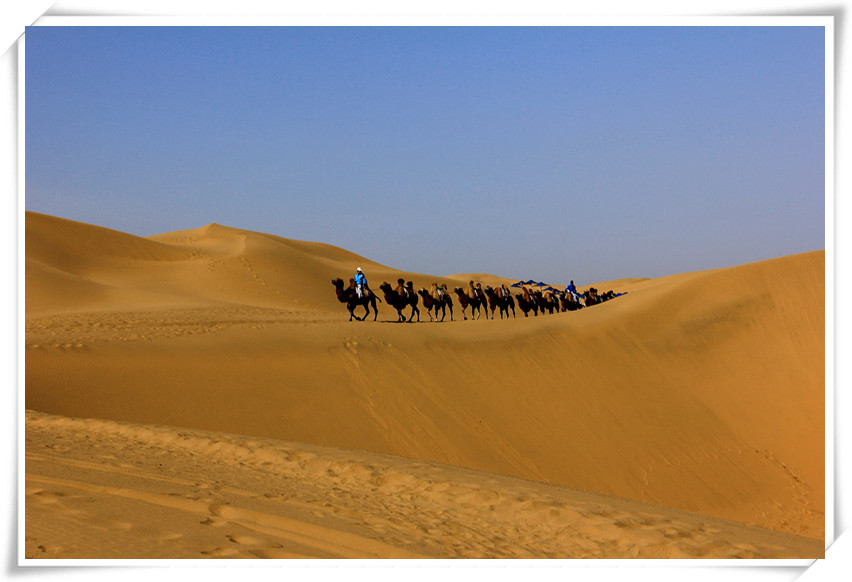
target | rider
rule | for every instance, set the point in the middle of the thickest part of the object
(439, 292)
(401, 289)
(570, 288)
(360, 282)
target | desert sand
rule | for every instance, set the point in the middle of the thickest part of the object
(203, 394)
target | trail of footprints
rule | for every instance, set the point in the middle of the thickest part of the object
(77, 331)
(238, 498)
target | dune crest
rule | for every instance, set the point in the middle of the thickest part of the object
(701, 392)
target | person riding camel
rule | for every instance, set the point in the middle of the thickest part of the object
(401, 289)
(531, 296)
(361, 286)
(438, 291)
(570, 288)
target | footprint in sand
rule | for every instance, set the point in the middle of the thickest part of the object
(220, 552)
(672, 533)
(162, 535)
(277, 553)
(47, 497)
(244, 540)
(49, 549)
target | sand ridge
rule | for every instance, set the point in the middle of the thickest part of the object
(700, 392)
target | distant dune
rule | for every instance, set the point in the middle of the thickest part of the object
(684, 419)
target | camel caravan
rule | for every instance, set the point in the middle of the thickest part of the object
(480, 300)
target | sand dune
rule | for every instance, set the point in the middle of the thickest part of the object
(193, 494)
(699, 393)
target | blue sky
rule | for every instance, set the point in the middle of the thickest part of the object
(552, 153)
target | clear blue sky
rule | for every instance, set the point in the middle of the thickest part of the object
(551, 153)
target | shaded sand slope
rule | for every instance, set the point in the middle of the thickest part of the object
(191, 494)
(702, 392)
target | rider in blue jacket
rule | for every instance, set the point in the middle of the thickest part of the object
(360, 282)
(570, 288)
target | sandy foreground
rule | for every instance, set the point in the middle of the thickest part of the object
(202, 394)
(195, 494)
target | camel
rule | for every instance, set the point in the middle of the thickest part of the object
(475, 303)
(439, 292)
(399, 299)
(476, 294)
(592, 297)
(350, 297)
(437, 298)
(528, 302)
(569, 302)
(501, 298)
(547, 301)
(610, 295)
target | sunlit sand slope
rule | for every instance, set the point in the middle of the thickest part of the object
(191, 494)
(702, 392)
